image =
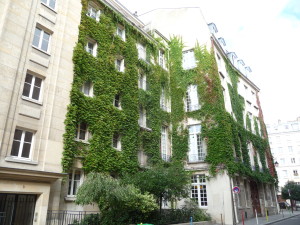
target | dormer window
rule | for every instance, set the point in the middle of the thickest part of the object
(93, 12)
(192, 101)
(141, 51)
(87, 89)
(91, 47)
(121, 32)
(188, 60)
(119, 63)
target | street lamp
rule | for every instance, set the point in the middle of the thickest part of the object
(276, 164)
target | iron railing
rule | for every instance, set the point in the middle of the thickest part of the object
(60, 217)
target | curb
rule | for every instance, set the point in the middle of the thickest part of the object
(276, 221)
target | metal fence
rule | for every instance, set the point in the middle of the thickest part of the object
(72, 218)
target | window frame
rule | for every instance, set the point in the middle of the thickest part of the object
(142, 82)
(70, 192)
(200, 151)
(120, 68)
(162, 58)
(94, 49)
(199, 181)
(117, 137)
(122, 35)
(32, 87)
(98, 12)
(142, 51)
(164, 144)
(86, 132)
(192, 102)
(117, 101)
(47, 4)
(22, 142)
(41, 38)
(90, 89)
(188, 59)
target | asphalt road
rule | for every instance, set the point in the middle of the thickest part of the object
(291, 221)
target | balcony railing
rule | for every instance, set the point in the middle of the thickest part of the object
(197, 157)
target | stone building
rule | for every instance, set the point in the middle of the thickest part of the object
(86, 86)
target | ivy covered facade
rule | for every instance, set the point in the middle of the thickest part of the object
(139, 98)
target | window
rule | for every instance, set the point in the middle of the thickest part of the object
(192, 102)
(293, 160)
(246, 192)
(143, 82)
(295, 172)
(116, 142)
(119, 63)
(161, 58)
(164, 101)
(196, 145)
(82, 132)
(50, 3)
(165, 151)
(188, 60)
(32, 87)
(282, 161)
(142, 118)
(121, 32)
(22, 144)
(74, 182)
(93, 12)
(141, 51)
(290, 149)
(91, 47)
(87, 89)
(41, 39)
(117, 101)
(284, 173)
(198, 190)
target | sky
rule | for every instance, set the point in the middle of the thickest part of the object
(265, 34)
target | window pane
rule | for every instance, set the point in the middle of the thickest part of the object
(45, 41)
(52, 3)
(18, 135)
(82, 135)
(28, 78)
(26, 150)
(38, 82)
(36, 93)
(36, 38)
(15, 148)
(28, 136)
(26, 90)
(44, 1)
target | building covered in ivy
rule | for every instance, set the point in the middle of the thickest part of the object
(91, 88)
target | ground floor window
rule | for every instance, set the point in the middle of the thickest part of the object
(198, 191)
(74, 182)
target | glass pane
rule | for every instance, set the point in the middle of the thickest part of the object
(52, 3)
(44, 1)
(82, 135)
(28, 136)
(28, 78)
(36, 93)
(26, 90)
(18, 135)
(15, 148)
(45, 41)
(26, 150)
(36, 38)
(38, 82)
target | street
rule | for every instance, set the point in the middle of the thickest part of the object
(291, 221)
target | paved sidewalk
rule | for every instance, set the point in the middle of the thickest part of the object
(272, 219)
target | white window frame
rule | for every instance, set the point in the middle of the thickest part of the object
(293, 160)
(142, 53)
(295, 173)
(89, 87)
(93, 50)
(72, 182)
(164, 103)
(33, 87)
(118, 139)
(197, 148)
(199, 190)
(164, 144)
(120, 64)
(41, 39)
(192, 99)
(142, 117)
(142, 81)
(86, 133)
(188, 59)
(93, 12)
(120, 32)
(22, 143)
(47, 3)
(162, 58)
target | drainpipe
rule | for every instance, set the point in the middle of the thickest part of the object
(235, 218)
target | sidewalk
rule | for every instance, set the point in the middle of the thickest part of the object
(274, 218)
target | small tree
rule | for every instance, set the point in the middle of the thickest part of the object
(165, 182)
(291, 191)
(118, 203)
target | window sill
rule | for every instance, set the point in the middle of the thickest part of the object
(20, 160)
(32, 100)
(40, 50)
(117, 149)
(70, 198)
(48, 7)
(145, 128)
(82, 141)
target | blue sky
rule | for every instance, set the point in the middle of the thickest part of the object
(265, 34)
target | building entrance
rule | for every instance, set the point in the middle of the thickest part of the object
(17, 209)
